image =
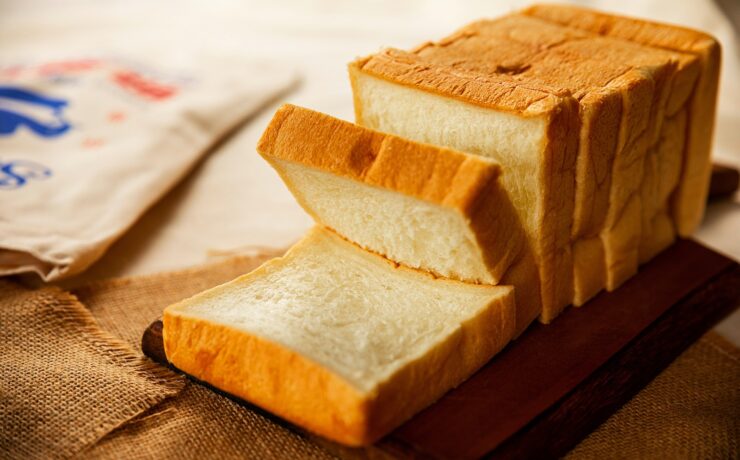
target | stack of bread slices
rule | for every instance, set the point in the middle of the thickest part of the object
(497, 176)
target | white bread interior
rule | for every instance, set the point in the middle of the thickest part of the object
(416, 233)
(518, 141)
(422, 206)
(338, 340)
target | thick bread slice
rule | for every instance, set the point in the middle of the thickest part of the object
(689, 199)
(529, 128)
(662, 175)
(338, 340)
(423, 206)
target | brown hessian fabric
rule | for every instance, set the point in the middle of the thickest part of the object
(64, 382)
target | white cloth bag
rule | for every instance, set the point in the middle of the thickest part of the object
(87, 145)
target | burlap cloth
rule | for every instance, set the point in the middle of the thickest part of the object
(64, 382)
(692, 410)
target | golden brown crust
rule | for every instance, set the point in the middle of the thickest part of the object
(524, 275)
(645, 32)
(446, 177)
(558, 178)
(601, 116)
(499, 92)
(508, 63)
(319, 401)
(438, 175)
(533, 53)
(689, 200)
(589, 269)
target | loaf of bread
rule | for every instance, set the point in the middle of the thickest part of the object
(338, 340)
(632, 99)
(425, 207)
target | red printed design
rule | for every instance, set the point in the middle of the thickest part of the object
(69, 66)
(145, 87)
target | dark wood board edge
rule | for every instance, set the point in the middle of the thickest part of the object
(152, 343)
(564, 425)
(724, 181)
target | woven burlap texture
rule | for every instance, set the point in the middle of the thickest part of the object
(198, 423)
(65, 383)
(690, 411)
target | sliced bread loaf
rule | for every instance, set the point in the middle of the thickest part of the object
(624, 90)
(425, 207)
(338, 340)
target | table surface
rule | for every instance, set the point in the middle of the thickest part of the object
(233, 202)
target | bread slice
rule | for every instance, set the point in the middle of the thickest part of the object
(661, 178)
(528, 128)
(338, 340)
(699, 97)
(426, 207)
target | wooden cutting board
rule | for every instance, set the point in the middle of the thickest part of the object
(555, 384)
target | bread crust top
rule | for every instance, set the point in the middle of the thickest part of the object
(438, 175)
(496, 91)
(521, 63)
(649, 33)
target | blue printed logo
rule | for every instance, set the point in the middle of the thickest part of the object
(41, 114)
(15, 174)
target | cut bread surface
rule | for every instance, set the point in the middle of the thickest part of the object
(520, 140)
(425, 207)
(329, 335)
(421, 235)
